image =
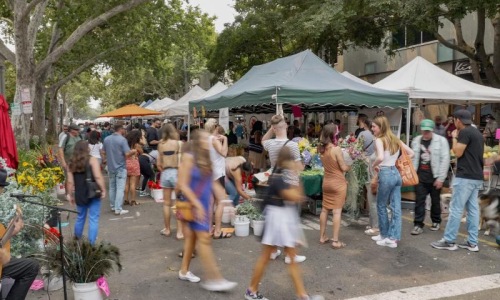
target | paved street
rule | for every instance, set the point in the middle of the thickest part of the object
(361, 269)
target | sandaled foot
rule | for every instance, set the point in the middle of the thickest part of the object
(221, 235)
(132, 203)
(165, 232)
(338, 245)
(126, 202)
(179, 237)
(325, 241)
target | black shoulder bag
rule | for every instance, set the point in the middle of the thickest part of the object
(93, 189)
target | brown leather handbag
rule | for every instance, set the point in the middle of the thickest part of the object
(406, 169)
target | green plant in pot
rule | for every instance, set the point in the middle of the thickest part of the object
(83, 263)
(246, 209)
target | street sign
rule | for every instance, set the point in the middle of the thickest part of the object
(26, 101)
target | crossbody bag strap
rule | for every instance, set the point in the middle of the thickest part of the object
(368, 145)
(278, 154)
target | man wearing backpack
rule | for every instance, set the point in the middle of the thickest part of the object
(67, 145)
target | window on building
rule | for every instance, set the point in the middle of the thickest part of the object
(444, 53)
(409, 36)
(370, 67)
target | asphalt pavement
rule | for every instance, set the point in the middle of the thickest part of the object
(362, 269)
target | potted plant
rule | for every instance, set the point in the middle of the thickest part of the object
(156, 191)
(242, 218)
(257, 221)
(84, 264)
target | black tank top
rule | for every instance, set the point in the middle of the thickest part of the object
(80, 187)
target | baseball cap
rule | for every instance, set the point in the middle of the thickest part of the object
(464, 116)
(427, 124)
(73, 126)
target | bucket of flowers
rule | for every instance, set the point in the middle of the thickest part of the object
(156, 190)
(307, 149)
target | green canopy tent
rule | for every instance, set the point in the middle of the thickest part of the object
(304, 80)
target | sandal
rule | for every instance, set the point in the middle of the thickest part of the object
(372, 232)
(222, 235)
(164, 232)
(325, 241)
(132, 203)
(340, 245)
(126, 202)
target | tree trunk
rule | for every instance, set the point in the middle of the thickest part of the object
(39, 126)
(496, 42)
(476, 71)
(54, 116)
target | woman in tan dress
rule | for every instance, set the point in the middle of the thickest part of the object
(334, 184)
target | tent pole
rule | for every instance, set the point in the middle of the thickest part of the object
(189, 127)
(408, 117)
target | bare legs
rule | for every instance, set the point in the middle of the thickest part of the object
(323, 219)
(167, 202)
(293, 269)
(206, 253)
(219, 210)
(127, 189)
(132, 181)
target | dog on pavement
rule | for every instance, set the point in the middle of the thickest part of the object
(490, 211)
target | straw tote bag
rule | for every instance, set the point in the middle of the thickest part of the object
(406, 169)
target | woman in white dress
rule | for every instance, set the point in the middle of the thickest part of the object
(282, 227)
(95, 145)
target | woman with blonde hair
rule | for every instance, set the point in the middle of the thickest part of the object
(196, 185)
(169, 151)
(334, 184)
(218, 152)
(388, 148)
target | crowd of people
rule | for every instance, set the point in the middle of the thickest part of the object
(201, 172)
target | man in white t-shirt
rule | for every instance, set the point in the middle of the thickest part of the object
(63, 133)
(273, 147)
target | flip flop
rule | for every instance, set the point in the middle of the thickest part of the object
(126, 202)
(222, 235)
(134, 203)
(326, 241)
(341, 245)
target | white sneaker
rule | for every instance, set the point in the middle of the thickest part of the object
(121, 212)
(296, 259)
(388, 243)
(189, 277)
(275, 255)
(377, 238)
(218, 285)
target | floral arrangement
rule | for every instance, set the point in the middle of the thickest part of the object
(353, 147)
(307, 149)
(153, 185)
(39, 171)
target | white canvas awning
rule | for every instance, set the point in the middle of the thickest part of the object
(355, 78)
(158, 105)
(426, 83)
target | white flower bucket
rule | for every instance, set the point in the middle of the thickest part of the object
(60, 189)
(157, 194)
(227, 211)
(87, 291)
(258, 227)
(241, 226)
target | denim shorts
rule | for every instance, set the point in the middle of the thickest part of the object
(168, 178)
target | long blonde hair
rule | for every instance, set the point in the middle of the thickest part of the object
(211, 125)
(201, 156)
(168, 132)
(389, 140)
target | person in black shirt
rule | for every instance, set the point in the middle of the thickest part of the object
(232, 139)
(152, 135)
(468, 145)
(361, 119)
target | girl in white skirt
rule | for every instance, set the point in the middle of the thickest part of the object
(282, 227)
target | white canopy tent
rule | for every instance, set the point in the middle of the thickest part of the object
(158, 105)
(426, 83)
(181, 106)
(355, 78)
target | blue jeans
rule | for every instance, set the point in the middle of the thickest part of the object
(389, 190)
(232, 191)
(117, 180)
(465, 193)
(94, 209)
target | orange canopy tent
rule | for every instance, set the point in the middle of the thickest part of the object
(130, 110)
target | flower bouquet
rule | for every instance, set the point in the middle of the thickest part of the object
(156, 190)
(307, 149)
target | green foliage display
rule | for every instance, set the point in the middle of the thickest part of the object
(83, 262)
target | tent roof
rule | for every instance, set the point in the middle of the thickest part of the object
(130, 110)
(300, 79)
(355, 78)
(180, 107)
(422, 80)
(159, 104)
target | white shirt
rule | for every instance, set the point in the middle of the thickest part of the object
(95, 150)
(218, 161)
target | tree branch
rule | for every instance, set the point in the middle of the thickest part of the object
(88, 63)
(481, 26)
(56, 32)
(29, 7)
(35, 21)
(81, 31)
(461, 49)
(7, 53)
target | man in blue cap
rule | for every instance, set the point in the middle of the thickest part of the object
(432, 161)
(468, 145)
